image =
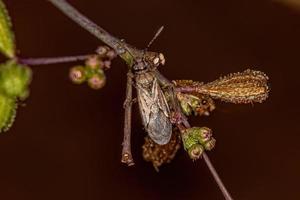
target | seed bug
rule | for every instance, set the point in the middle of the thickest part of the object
(142, 73)
(153, 105)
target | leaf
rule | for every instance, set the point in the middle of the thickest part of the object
(249, 86)
(15, 79)
(8, 108)
(7, 40)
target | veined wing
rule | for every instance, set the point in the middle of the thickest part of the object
(154, 109)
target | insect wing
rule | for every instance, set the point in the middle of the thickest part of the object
(155, 112)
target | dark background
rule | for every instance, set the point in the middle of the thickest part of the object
(66, 141)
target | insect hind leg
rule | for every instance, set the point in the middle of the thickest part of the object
(126, 151)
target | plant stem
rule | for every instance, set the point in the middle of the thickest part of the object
(183, 122)
(217, 178)
(55, 60)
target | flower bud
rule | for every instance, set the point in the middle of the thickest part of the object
(94, 62)
(209, 145)
(188, 139)
(102, 50)
(187, 102)
(195, 104)
(107, 64)
(111, 54)
(197, 139)
(186, 108)
(199, 135)
(97, 81)
(77, 74)
(195, 151)
(205, 135)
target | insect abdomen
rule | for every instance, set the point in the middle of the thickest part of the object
(154, 108)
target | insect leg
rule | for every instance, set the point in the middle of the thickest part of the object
(126, 151)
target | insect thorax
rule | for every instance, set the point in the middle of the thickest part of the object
(145, 80)
(141, 66)
(142, 71)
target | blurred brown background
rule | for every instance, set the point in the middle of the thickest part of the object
(66, 141)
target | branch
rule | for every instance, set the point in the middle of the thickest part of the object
(217, 178)
(55, 60)
(183, 124)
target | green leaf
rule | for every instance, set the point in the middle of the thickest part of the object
(14, 79)
(7, 40)
(8, 108)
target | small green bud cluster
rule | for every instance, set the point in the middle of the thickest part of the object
(14, 84)
(196, 140)
(93, 70)
(94, 76)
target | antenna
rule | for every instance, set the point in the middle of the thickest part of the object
(155, 36)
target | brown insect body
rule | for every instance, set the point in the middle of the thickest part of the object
(153, 105)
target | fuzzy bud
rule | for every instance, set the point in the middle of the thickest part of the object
(209, 145)
(97, 81)
(111, 54)
(205, 135)
(196, 140)
(107, 64)
(94, 62)
(198, 134)
(77, 74)
(195, 151)
(102, 50)
(188, 139)
(195, 104)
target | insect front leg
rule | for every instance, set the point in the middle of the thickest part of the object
(126, 151)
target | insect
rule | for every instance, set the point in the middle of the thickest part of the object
(153, 106)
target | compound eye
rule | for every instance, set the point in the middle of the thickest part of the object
(204, 102)
(162, 59)
(156, 61)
